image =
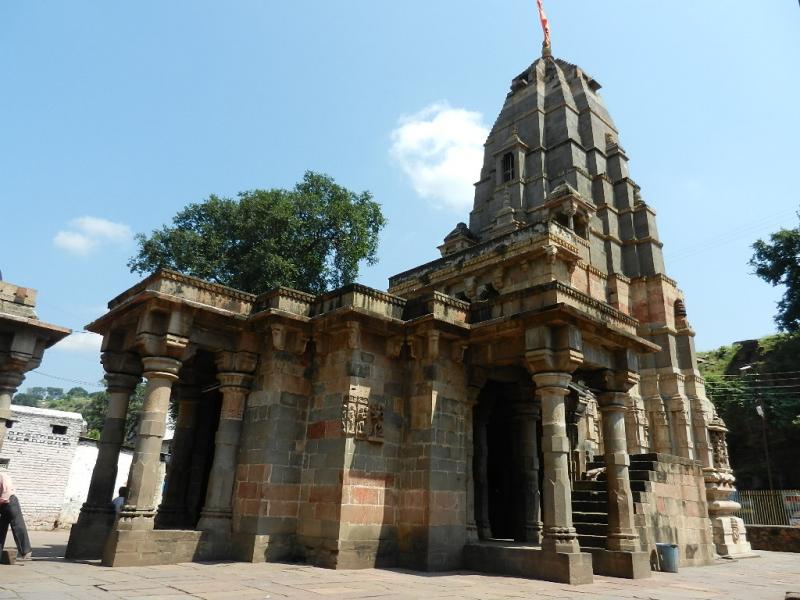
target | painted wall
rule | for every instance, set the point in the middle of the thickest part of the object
(41, 445)
(52, 470)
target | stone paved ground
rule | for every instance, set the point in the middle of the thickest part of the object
(49, 577)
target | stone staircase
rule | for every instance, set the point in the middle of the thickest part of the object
(590, 499)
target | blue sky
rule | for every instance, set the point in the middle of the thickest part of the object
(113, 116)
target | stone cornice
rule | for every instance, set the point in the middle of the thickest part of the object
(170, 275)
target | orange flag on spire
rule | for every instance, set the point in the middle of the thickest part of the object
(545, 24)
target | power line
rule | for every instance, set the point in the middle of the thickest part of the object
(95, 384)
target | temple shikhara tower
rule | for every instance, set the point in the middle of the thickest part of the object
(529, 403)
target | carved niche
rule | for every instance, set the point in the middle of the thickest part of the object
(362, 419)
(719, 449)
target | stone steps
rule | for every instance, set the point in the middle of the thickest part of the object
(593, 529)
(590, 498)
(593, 518)
(592, 541)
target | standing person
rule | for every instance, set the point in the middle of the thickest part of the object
(11, 514)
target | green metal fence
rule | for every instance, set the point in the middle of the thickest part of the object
(769, 507)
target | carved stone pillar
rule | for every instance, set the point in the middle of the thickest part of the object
(730, 535)
(621, 530)
(656, 414)
(87, 537)
(10, 380)
(559, 534)
(529, 512)
(138, 512)
(672, 386)
(701, 416)
(234, 386)
(472, 401)
(174, 512)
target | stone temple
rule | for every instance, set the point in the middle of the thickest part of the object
(529, 403)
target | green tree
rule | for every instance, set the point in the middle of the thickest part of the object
(312, 238)
(778, 262)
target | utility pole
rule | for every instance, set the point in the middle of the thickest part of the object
(760, 409)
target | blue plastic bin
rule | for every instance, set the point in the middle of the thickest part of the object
(668, 557)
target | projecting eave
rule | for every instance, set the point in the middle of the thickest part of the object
(45, 331)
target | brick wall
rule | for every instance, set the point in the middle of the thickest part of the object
(41, 460)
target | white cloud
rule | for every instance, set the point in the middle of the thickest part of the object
(440, 148)
(87, 233)
(83, 341)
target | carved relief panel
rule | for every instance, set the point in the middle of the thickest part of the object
(362, 419)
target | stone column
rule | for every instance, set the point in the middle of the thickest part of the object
(217, 512)
(472, 402)
(656, 414)
(9, 382)
(138, 512)
(530, 527)
(559, 534)
(621, 530)
(87, 537)
(174, 512)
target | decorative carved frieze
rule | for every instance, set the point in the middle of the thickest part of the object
(362, 419)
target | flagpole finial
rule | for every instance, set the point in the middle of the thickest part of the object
(547, 49)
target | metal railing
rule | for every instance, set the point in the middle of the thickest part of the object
(769, 507)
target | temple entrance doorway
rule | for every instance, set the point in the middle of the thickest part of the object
(506, 461)
(195, 410)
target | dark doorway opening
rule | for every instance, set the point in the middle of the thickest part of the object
(501, 476)
(503, 467)
(192, 449)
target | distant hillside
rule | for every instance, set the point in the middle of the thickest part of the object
(753, 373)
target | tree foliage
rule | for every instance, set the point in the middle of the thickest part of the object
(771, 381)
(311, 238)
(778, 262)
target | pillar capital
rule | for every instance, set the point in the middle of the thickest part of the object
(236, 362)
(11, 380)
(129, 363)
(121, 382)
(557, 382)
(161, 367)
(613, 401)
(230, 379)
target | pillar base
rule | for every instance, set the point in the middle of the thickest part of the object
(88, 536)
(216, 529)
(616, 563)
(250, 547)
(507, 558)
(730, 537)
(155, 547)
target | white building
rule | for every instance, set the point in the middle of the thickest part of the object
(52, 465)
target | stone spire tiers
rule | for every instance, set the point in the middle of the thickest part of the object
(23, 340)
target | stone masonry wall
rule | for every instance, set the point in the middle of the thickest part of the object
(40, 461)
(433, 480)
(368, 520)
(347, 514)
(774, 538)
(267, 488)
(673, 508)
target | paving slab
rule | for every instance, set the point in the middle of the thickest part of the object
(50, 576)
